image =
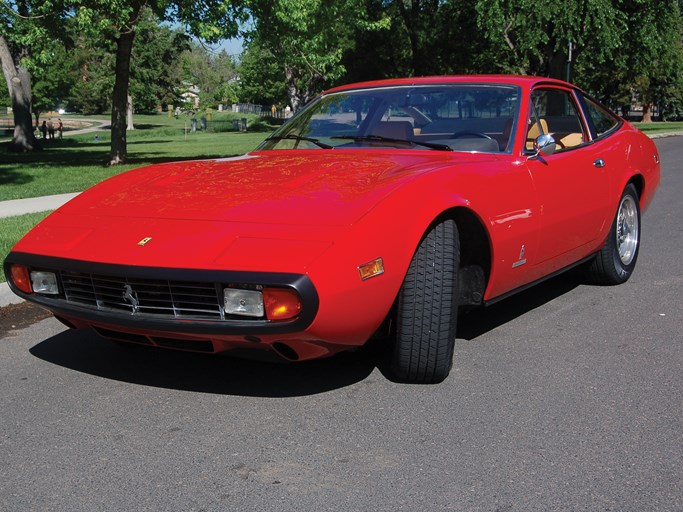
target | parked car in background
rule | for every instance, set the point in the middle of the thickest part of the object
(376, 212)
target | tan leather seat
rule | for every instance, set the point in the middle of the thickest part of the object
(571, 140)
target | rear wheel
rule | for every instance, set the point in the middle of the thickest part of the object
(427, 308)
(614, 264)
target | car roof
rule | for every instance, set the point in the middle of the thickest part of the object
(521, 80)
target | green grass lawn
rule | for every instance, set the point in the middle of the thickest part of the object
(12, 229)
(660, 127)
(75, 163)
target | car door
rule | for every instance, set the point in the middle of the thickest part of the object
(571, 184)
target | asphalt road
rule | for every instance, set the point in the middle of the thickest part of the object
(567, 397)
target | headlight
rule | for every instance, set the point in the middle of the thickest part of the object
(44, 282)
(243, 302)
(276, 304)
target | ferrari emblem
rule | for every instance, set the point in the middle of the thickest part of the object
(144, 241)
(130, 297)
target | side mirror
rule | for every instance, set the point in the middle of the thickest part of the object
(545, 145)
(415, 100)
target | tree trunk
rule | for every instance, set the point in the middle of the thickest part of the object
(647, 113)
(119, 109)
(293, 92)
(410, 18)
(19, 88)
(129, 113)
(557, 66)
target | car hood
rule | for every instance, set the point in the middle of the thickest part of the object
(275, 210)
(275, 187)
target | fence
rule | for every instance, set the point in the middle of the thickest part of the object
(6, 126)
(262, 110)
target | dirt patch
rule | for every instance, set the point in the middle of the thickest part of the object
(18, 316)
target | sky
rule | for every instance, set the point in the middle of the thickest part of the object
(233, 47)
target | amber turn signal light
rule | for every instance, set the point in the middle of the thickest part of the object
(21, 278)
(371, 269)
(281, 303)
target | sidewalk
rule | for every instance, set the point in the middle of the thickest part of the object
(16, 207)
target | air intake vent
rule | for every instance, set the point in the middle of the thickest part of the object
(158, 298)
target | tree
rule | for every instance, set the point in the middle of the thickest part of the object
(209, 20)
(93, 69)
(52, 83)
(646, 66)
(24, 27)
(18, 81)
(427, 38)
(262, 77)
(419, 18)
(537, 36)
(157, 52)
(308, 38)
(213, 74)
(654, 66)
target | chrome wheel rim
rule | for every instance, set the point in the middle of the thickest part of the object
(627, 230)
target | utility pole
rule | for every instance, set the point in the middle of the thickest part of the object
(568, 75)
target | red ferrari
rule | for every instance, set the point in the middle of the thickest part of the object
(376, 212)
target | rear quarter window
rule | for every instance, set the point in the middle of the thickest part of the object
(602, 120)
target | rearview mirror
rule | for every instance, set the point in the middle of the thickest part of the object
(415, 100)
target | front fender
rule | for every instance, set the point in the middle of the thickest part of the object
(393, 229)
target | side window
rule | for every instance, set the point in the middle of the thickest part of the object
(603, 121)
(554, 111)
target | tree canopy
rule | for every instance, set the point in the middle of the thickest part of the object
(101, 55)
(308, 38)
(617, 49)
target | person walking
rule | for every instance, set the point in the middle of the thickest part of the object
(51, 129)
(43, 129)
(60, 126)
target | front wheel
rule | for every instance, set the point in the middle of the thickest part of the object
(614, 264)
(427, 308)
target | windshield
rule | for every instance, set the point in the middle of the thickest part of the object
(455, 117)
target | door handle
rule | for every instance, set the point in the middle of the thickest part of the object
(599, 163)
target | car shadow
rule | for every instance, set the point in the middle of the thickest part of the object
(88, 353)
(478, 321)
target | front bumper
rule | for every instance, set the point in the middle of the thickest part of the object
(168, 300)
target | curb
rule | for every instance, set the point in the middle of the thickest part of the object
(663, 135)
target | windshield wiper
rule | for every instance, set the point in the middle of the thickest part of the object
(379, 138)
(300, 138)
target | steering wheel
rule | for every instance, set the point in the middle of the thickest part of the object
(470, 135)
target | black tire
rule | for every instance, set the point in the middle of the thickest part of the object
(615, 262)
(427, 309)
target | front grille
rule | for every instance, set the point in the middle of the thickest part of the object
(155, 297)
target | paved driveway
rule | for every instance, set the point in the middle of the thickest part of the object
(566, 397)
